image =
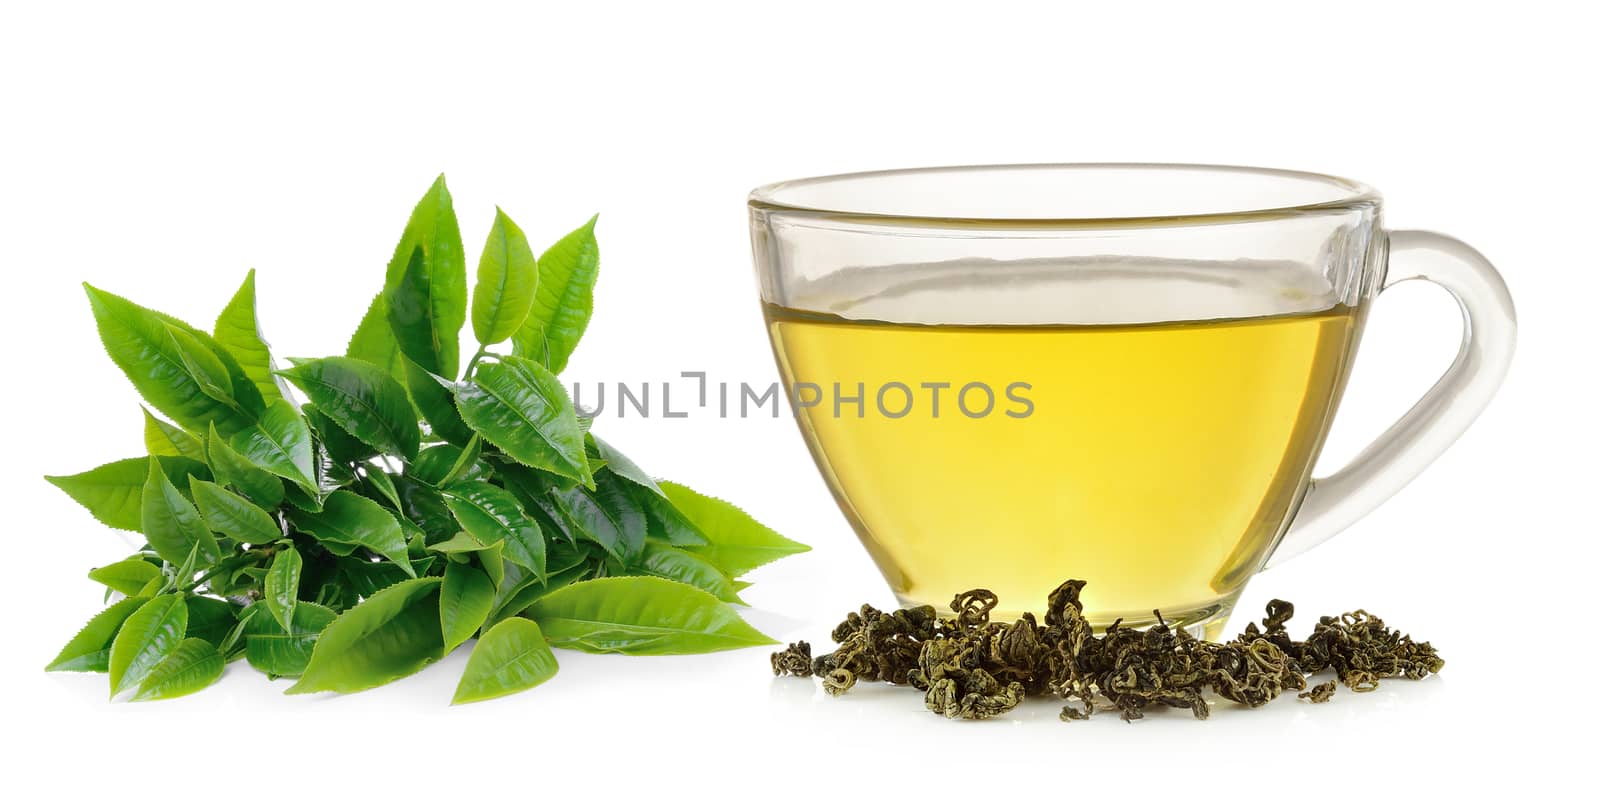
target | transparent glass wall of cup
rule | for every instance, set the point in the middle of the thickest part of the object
(1015, 375)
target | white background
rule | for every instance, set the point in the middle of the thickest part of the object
(159, 152)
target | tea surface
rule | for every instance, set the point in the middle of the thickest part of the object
(1159, 459)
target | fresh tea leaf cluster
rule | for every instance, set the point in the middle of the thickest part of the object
(970, 667)
(410, 504)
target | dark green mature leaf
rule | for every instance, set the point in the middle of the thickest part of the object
(564, 301)
(373, 341)
(283, 585)
(622, 465)
(642, 616)
(90, 650)
(492, 515)
(366, 577)
(669, 562)
(380, 482)
(437, 405)
(437, 290)
(210, 619)
(510, 657)
(233, 515)
(508, 279)
(233, 469)
(349, 519)
(238, 331)
(738, 543)
(434, 464)
(541, 496)
(425, 507)
(280, 444)
(666, 523)
(276, 651)
(126, 577)
(518, 588)
(192, 666)
(392, 634)
(141, 342)
(113, 492)
(164, 439)
(339, 444)
(171, 524)
(147, 637)
(363, 400)
(464, 603)
(607, 515)
(524, 410)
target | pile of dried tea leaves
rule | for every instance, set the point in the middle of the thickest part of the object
(972, 668)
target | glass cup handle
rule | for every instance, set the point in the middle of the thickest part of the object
(1488, 336)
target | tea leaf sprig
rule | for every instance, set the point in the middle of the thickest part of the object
(410, 504)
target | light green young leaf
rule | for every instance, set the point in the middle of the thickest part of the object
(524, 410)
(512, 656)
(164, 439)
(126, 577)
(564, 300)
(352, 520)
(192, 666)
(141, 342)
(232, 469)
(412, 321)
(283, 585)
(738, 543)
(464, 603)
(374, 343)
(232, 515)
(491, 515)
(641, 615)
(669, 562)
(435, 295)
(146, 639)
(392, 634)
(171, 524)
(508, 277)
(90, 650)
(113, 492)
(363, 400)
(280, 443)
(238, 331)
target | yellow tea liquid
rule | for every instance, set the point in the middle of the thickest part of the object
(1159, 461)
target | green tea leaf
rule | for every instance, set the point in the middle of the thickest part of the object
(280, 444)
(380, 482)
(373, 341)
(425, 507)
(141, 342)
(491, 515)
(363, 400)
(622, 465)
(164, 439)
(518, 588)
(339, 444)
(464, 603)
(238, 330)
(524, 410)
(432, 298)
(669, 562)
(466, 466)
(564, 301)
(234, 516)
(641, 615)
(435, 464)
(512, 656)
(276, 651)
(348, 518)
(146, 639)
(412, 321)
(666, 522)
(232, 469)
(607, 516)
(437, 405)
(126, 577)
(508, 278)
(90, 650)
(192, 666)
(171, 524)
(390, 635)
(210, 619)
(283, 585)
(738, 542)
(113, 492)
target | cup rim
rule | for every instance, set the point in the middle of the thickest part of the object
(1351, 195)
